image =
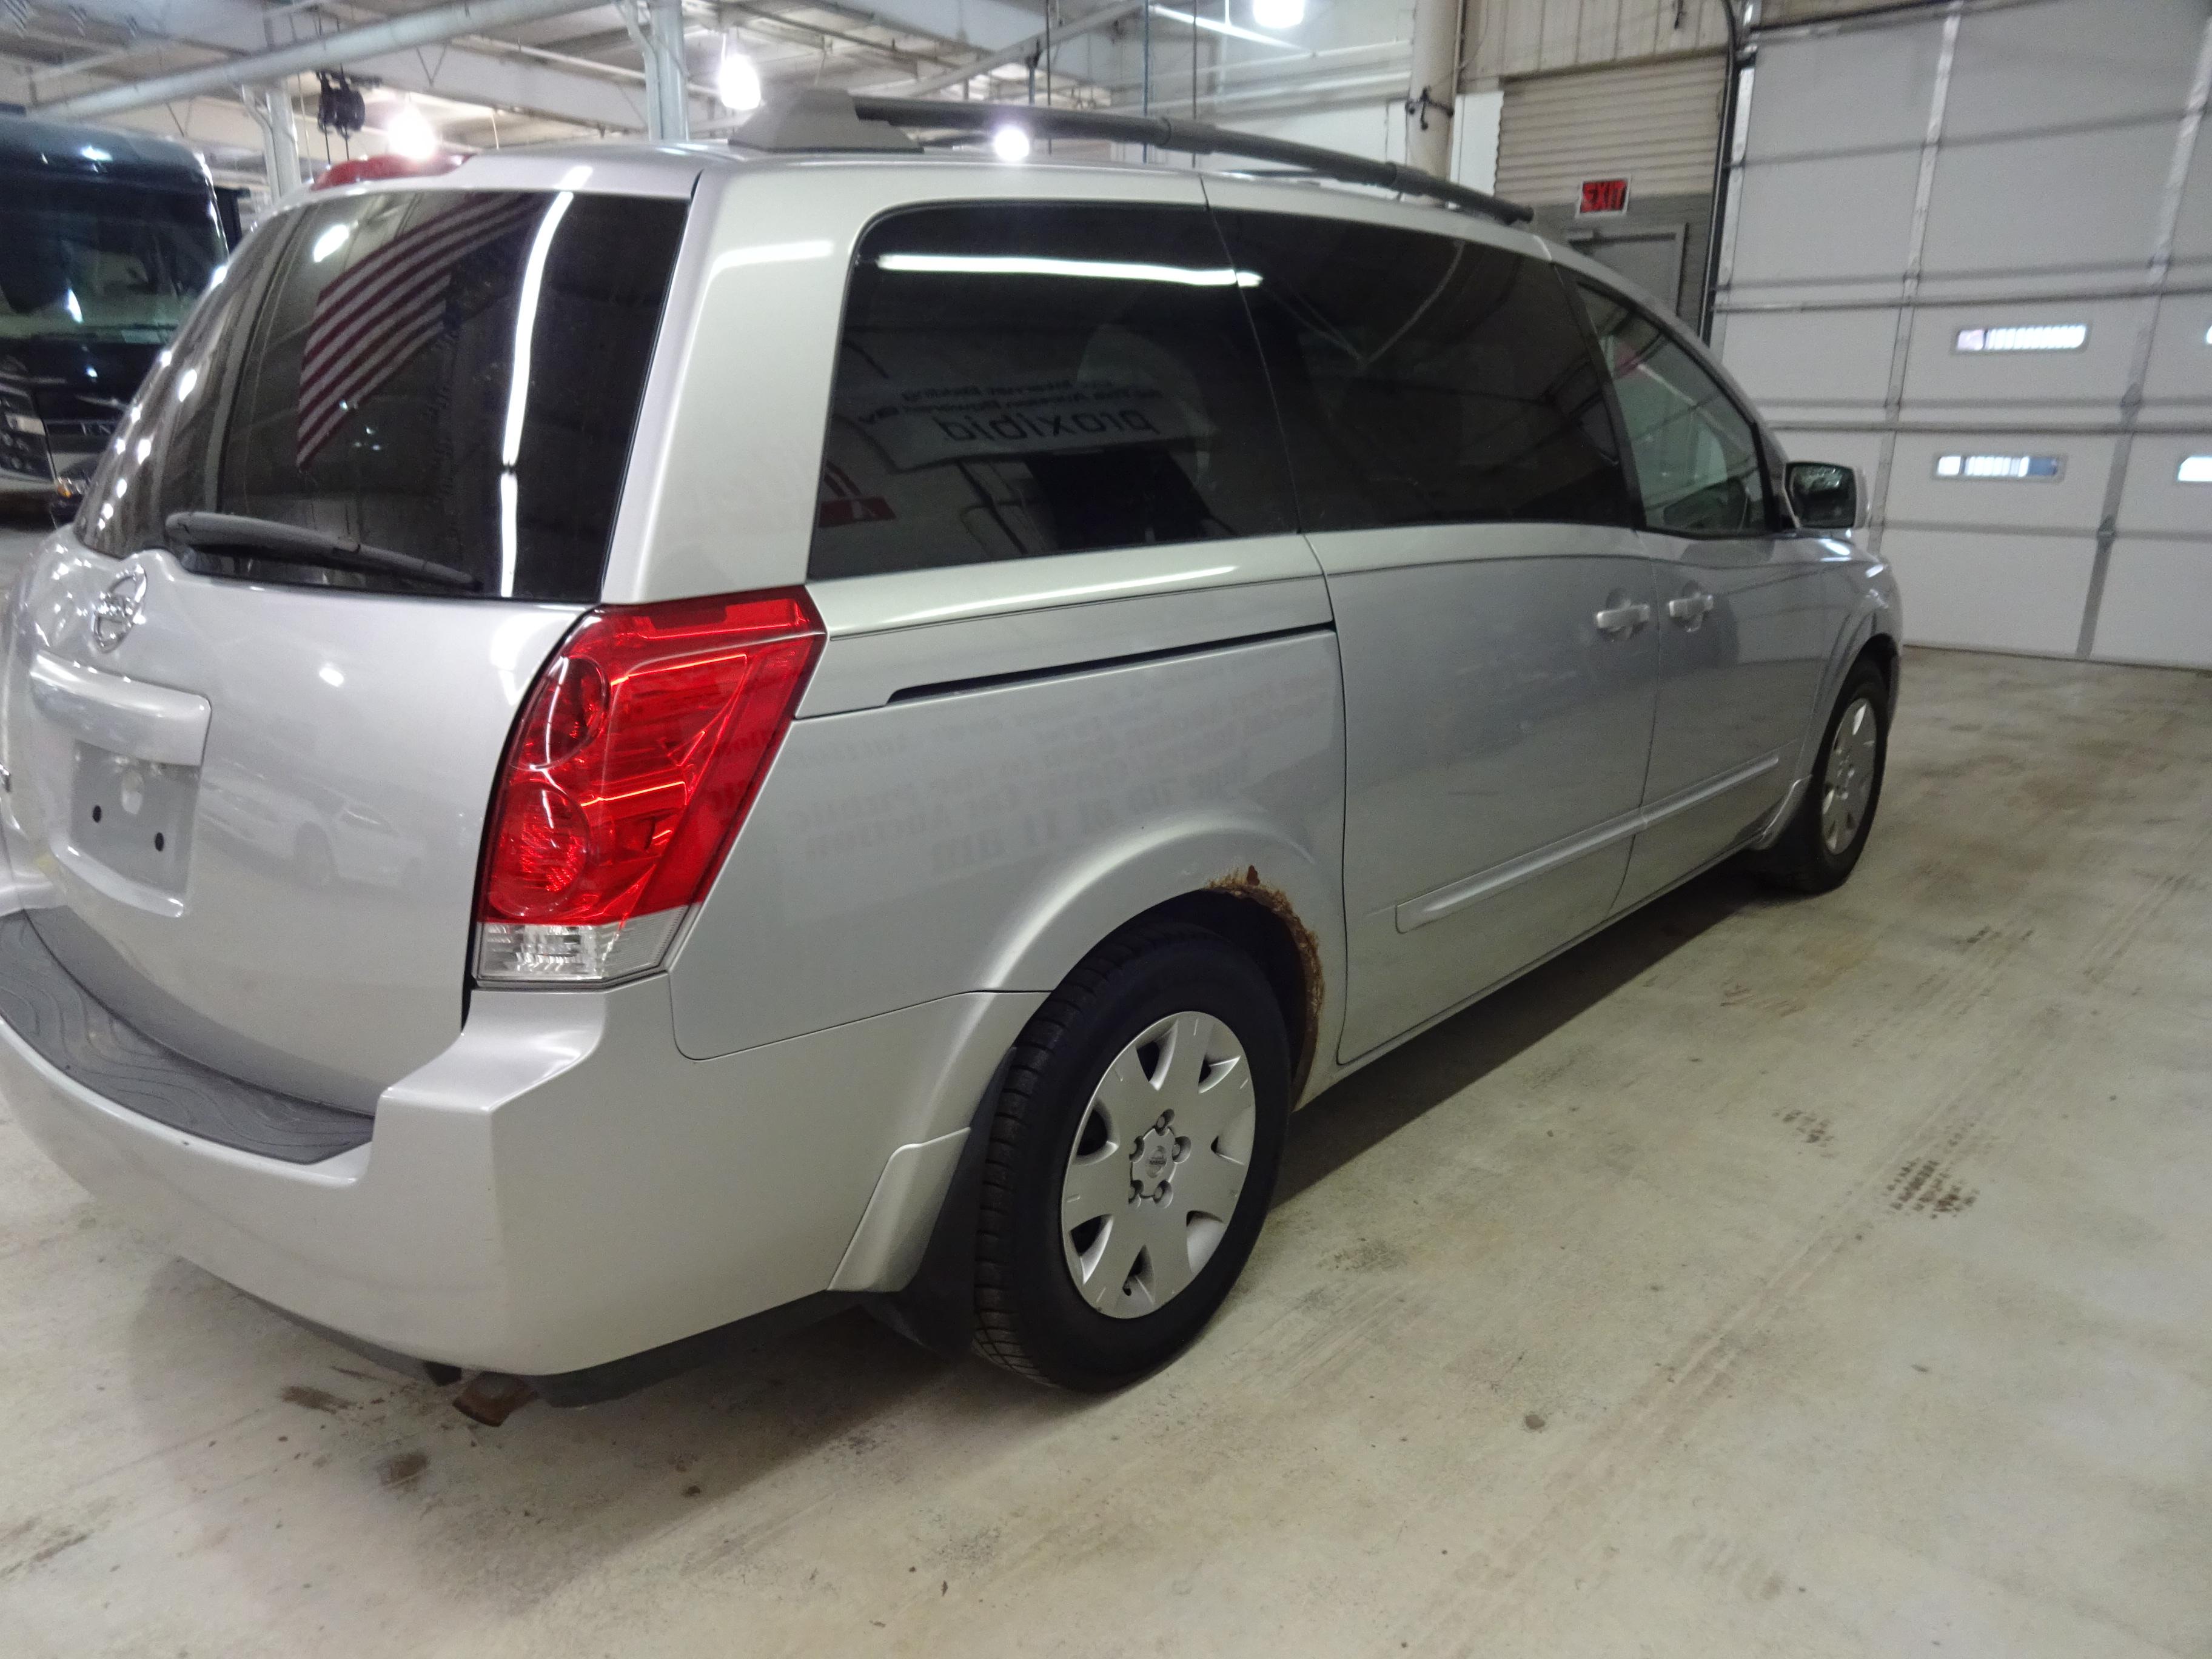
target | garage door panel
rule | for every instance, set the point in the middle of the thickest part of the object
(2050, 65)
(2054, 415)
(1861, 91)
(2080, 200)
(2181, 354)
(2022, 593)
(2050, 179)
(2060, 285)
(2158, 596)
(2153, 495)
(1815, 417)
(2074, 500)
(1827, 357)
(1848, 216)
(2096, 372)
(2192, 229)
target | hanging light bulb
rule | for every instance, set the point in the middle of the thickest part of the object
(1279, 14)
(737, 83)
(410, 134)
(1010, 143)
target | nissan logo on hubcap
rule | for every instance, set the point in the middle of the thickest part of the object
(115, 613)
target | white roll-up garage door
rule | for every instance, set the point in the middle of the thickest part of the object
(1654, 122)
(1971, 252)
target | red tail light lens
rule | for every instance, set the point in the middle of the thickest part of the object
(637, 754)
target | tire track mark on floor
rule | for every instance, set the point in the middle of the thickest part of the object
(1656, 1419)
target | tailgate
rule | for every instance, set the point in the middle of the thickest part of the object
(246, 783)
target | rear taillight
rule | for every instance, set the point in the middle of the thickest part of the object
(638, 752)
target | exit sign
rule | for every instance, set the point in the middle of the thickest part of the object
(1603, 196)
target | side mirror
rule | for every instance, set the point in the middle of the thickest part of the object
(1825, 495)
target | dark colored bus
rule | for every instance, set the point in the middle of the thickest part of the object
(105, 241)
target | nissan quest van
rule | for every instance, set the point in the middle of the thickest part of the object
(634, 743)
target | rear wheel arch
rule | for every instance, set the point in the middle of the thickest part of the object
(1261, 922)
(1242, 909)
(1249, 883)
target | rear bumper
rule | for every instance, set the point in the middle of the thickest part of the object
(560, 1188)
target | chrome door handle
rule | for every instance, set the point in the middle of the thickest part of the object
(1621, 619)
(1691, 608)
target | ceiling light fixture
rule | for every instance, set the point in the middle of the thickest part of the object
(410, 134)
(736, 83)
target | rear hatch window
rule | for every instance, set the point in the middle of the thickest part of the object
(450, 376)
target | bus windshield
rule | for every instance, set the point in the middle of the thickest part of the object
(102, 259)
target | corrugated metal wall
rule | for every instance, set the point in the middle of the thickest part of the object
(1529, 37)
(1970, 168)
(1654, 122)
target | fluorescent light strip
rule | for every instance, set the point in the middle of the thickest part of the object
(2194, 468)
(2024, 336)
(1999, 466)
(1001, 265)
(1228, 29)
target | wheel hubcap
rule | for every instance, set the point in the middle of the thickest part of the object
(1848, 786)
(1159, 1163)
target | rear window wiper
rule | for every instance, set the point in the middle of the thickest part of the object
(291, 543)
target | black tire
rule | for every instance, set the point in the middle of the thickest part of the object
(1029, 1316)
(1801, 859)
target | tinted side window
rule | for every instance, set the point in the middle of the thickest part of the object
(1017, 380)
(1427, 379)
(1697, 458)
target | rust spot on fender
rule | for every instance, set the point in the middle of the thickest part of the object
(1246, 885)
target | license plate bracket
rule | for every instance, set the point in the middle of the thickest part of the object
(134, 816)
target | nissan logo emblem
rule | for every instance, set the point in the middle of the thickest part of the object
(115, 613)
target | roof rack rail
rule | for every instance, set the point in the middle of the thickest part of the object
(824, 118)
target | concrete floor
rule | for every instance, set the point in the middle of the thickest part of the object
(1767, 1276)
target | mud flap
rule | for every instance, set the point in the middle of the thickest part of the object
(937, 1310)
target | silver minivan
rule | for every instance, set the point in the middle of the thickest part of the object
(633, 744)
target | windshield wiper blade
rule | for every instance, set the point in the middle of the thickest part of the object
(291, 543)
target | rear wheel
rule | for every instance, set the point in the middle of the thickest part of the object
(1131, 1160)
(1821, 846)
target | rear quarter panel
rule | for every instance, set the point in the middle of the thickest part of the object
(989, 839)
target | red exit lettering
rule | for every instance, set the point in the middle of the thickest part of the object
(1604, 195)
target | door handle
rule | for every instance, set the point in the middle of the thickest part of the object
(1691, 609)
(1622, 619)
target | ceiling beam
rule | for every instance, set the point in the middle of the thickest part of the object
(392, 49)
(985, 24)
(1014, 51)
